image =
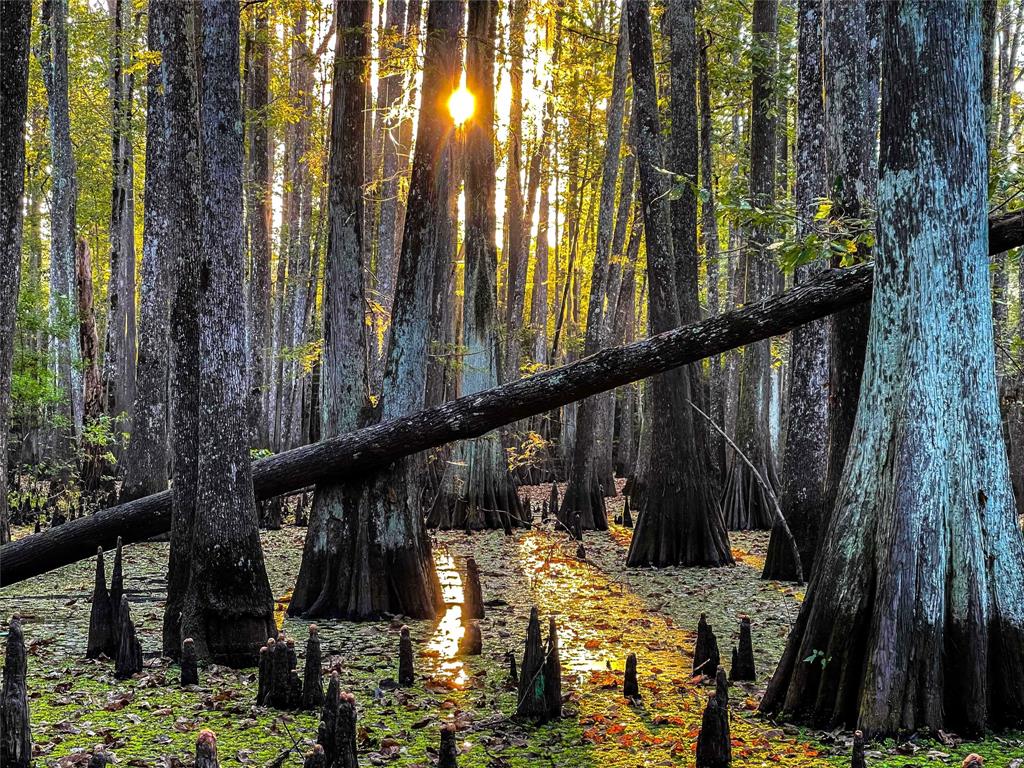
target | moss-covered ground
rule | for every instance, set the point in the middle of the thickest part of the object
(603, 611)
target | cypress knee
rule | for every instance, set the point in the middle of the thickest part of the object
(98, 758)
(406, 673)
(706, 656)
(722, 686)
(129, 652)
(973, 761)
(472, 643)
(531, 700)
(553, 674)
(581, 552)
(743, 655)
(553, 500)
(857, 759)
(630, 686)
(116, 591)
(285, 686)
(327, 731)
(346, 755)
(312, 678)
(627, 516)
(714, 748)
(473, 603)
(189, 663)
(315, 758)
(206, 750)
(263, 686)
(101, 617)
(15, 731)
(513, 673)
(448, 754)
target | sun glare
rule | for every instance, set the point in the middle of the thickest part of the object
(461, 104)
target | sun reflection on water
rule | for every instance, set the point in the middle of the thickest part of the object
(443, 644)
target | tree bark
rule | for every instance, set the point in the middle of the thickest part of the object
(917, 601)
(378, 445)
(15, 26)
(228, 606)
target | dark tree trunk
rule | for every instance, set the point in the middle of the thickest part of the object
(680, 521)
(145, 460)
(96, 470)
(917, 600)
(15, 25)
(747, 497)
(805, 459)
(228, 606)
(177, 251)
(477, 490)
(328, 580)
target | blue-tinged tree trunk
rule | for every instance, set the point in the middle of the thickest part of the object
(806, 453)
(326, 582)
(228, 607)
(915, 614)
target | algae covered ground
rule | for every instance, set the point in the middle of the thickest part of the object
(603, 612)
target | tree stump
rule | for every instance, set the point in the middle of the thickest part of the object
(630, 686)
(473, 597)
(116, 591)
(553, 674)
(714, 748)
(448, 754)
(857, 759)
(263, 685)
(189, 663)
(129, 651)
(206, 750)
(743, 656)
(101, 617)
(531, 699)
(315, 758)
(313, 676)
(15, 730)
(722, 686)
(406, 672)
(706, 656)
(472, 643)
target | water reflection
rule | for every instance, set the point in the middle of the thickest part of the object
(443, 644)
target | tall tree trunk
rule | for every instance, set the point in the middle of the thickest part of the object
(177, 250)
(53, 60)
(680, 521)
(805, 461)
(394, 572)
(96, 470)
(15, 26)
(328, 576)
(228, 607)
(589, 478)
(147, 456)
(260, 214)
(917, 601)
(748, 496)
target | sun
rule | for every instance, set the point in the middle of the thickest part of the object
(461, 104)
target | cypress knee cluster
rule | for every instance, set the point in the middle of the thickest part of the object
(15, 731)
(206, 750)
(706, 656)
(284, 689)
(129, 650)
(312, 677)
(406, 673)
(857, 759)
(189, 663)
(101, 616)
(630, 685)
(448, 753)
(337, 731)
(714, 748)
(743, 654)
(472, 643)
(473, 602)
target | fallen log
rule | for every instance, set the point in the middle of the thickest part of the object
(376, 446)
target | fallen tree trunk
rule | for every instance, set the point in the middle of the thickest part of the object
(376, 446)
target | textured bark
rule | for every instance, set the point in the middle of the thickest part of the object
(53, 60)
(15, 25)
(747, 503)
(189, 663)
(145, 461)
(128, 661)
(228, 606)
(916, 601)
(590, 477)
(530, 702)
(805, 460)
(328, 581)
(177, 251)
(15, 731)
(714, 746)
(101, 617)
(260, 214)
(680, 522)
